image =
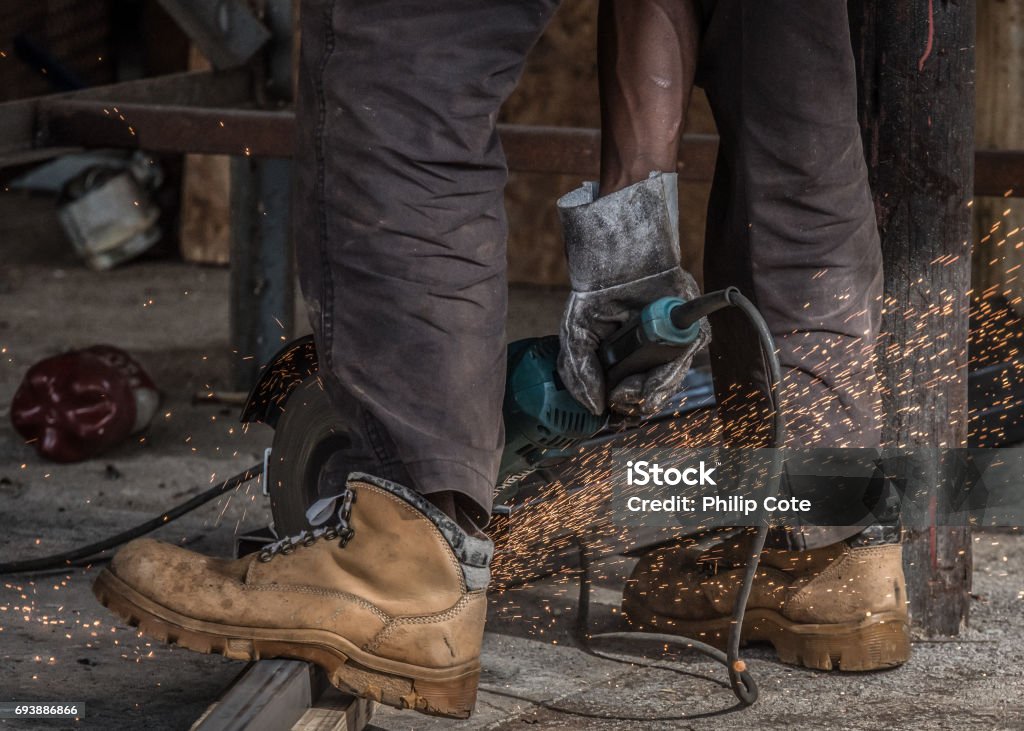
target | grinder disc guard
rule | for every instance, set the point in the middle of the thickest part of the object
(308, 432)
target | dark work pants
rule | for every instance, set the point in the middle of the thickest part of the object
(400, 222)
(792, 224)
(401, 232)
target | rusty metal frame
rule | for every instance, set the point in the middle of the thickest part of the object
(213, 112)
(210, 113)
(24, 126)
(71, 121)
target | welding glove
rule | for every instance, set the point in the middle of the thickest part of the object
(623, 253)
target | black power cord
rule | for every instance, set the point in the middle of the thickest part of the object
(740, 679)
(69, 558)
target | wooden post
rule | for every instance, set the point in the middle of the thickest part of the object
(205, 230)
(916, 73)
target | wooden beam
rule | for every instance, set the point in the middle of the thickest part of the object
(278, 695)
(335, 711)
(916, 74)
(269, 695)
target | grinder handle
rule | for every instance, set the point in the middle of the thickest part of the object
(656, 335)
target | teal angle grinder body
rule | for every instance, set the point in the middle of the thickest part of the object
(542, 420)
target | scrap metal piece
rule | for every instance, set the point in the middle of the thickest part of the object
(113, 220)
(227, 31)
(52, 176)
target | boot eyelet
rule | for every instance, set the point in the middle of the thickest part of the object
(309, 540)
(331, 534)
(287, 549)
(265, 556)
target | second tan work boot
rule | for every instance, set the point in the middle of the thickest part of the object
(386, 593)
(832, 607)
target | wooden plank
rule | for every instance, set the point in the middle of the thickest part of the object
(273, 695)
(205, 229)
(916, 73)
(270, 695)
(335, 711)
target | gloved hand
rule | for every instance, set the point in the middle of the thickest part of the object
(623, 253)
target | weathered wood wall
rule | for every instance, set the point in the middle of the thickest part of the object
(77, 33)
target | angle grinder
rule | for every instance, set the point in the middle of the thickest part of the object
(542, 419)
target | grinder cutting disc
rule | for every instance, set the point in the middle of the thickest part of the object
(308, 432)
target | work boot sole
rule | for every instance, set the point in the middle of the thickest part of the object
(450, 692)
(874, 643)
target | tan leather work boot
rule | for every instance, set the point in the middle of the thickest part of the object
(834, 606)
(386, 593)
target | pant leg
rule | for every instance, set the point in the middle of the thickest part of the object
(400, 227)
(791, 220)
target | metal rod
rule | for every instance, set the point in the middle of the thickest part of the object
(262, 289)
(71, 122)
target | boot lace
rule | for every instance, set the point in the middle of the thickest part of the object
(329, 520)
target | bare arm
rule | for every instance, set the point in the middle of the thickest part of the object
(647, 56)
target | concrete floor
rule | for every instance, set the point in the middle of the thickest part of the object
(57, 643)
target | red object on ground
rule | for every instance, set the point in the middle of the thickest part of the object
(74, 406)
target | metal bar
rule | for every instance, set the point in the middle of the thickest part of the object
(260, 133)
(183, 127)
(570, 150)
(262, 277)
(192, 88)
(211, 131)
(262, 289)
(577, 151)
(24, 129)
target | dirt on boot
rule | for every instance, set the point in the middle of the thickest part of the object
(387, 595)
(834, 607)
